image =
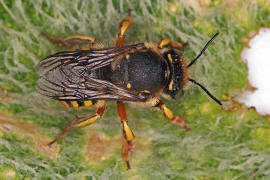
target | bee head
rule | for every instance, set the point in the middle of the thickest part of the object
(176, 73)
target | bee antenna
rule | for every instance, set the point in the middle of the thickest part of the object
(205, 90)
(205, 47)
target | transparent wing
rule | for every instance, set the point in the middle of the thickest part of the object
(64, 75)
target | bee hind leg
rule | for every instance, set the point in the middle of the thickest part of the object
(173, 44)
(79, 123)
(123, 25)
(175, 119)
(128, 136)
(74, 40)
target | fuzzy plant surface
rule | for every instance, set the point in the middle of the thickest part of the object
(227, 142)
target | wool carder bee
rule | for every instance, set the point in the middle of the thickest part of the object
(136, 73)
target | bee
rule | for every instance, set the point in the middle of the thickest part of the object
(137, 73)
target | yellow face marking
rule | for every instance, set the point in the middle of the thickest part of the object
(164, 42)
(171, 85)
(124, 27)
(168, 73)
(88, 121)
(65, 104)
(87, 103)
(128, 131)
(128, 85)
(127, 56)
(170, 57)
(168, 113)
(74, 104)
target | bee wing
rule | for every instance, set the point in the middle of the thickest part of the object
(64, 75)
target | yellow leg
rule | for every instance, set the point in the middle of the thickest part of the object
(175, 119)
(74, 40)
(128, 136)
(79, 123)
(175, 45)
(123, 25)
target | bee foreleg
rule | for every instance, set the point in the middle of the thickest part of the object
(74, 40)
(128, 136)
(175, 119)
(175, 45)
(79, 123)
(123, 26)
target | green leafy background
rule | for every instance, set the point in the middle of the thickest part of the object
(229, 142)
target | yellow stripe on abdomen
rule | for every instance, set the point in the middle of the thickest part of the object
(74, 104)
(65, 104)
(77, 104)
(88, 103)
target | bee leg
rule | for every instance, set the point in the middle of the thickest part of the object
(175, 119)
(79, 123)
(123, 25)
(128, 136)
(72, 41)
(175, 45)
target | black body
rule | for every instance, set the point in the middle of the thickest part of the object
(128, 73)
(142, 70)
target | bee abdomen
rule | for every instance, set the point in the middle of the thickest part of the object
(77, 104)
